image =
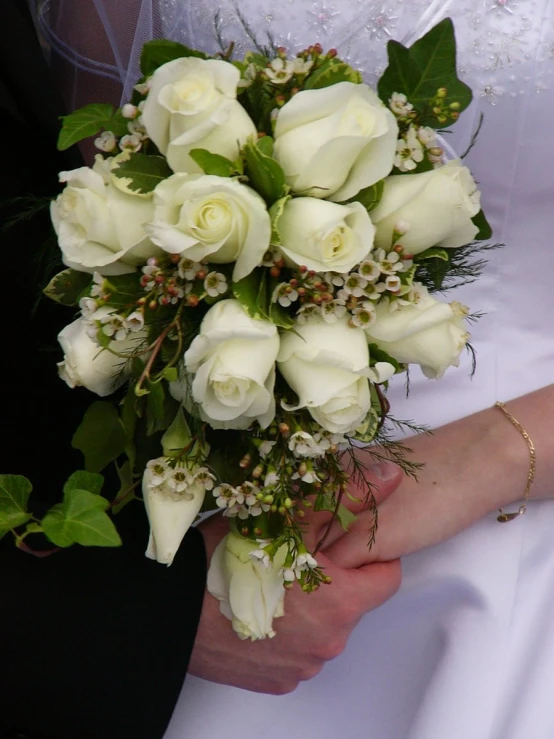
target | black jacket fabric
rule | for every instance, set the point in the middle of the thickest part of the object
(94, 643)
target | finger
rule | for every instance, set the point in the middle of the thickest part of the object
(383, 478)
(378, 582)
(353, 550)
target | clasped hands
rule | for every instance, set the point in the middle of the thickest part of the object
(315, 627)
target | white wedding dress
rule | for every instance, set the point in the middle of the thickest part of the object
(465, 650)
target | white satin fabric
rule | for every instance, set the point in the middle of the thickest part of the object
(465, 650)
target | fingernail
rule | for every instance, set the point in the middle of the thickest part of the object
(384, 471)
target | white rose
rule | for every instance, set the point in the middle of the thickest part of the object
(233, 361)
(437, 207)
(251, 594)
(212, 218)
(99, 227)
(86, 364)
(335, 141)
(325, 236)
(192, 105)
(171, 509)
(327, 366)
(428, 333)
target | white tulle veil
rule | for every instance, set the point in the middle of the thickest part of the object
(95, 44)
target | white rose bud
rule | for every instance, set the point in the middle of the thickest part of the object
(428, 333)
(438, 206)
(86, 364)
(171, 509)
(99, 228)
(251, 595)
(327, 366)
(335, 141)
(233, 361)
(192, 104)
(212, 218)
(325, 236)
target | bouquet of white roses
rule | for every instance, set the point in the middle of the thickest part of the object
(253, 256)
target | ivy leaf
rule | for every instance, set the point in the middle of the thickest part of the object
(332, 72)
(155, 408)
(14, 496)
(213, 164)
(265, 174)
(275, 212)
(124, 289)
(81, 519)
(83, 123)
(141, 173)
(68, 287)
(160, 51)
(368, 428)
(101, 436)
(485, 231)
(247, 292)
(82, 480)
(370, 197)
(421, 70)
(434, 253)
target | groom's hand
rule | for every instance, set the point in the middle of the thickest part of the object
(315, 627)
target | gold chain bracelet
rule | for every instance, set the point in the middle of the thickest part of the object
(504, 517)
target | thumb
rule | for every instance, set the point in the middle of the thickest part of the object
(383, 478)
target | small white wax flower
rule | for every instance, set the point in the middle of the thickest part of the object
(399, 104)
(265, 448)
(427, 136)
(134, 321)
(88, 307)
(302, 66)
(129, 110)
(409, 151)
(113, 325)
(106, 141)
(369, 270)
(393, 283)
(280, 71)
(131, 142)
(215, 284)
(188, 269)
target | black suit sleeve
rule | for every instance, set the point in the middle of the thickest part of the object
(94, 643)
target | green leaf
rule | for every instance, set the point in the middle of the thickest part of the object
(171, 374)
(332, 72)
(83, 123)
(265, 145)
(213, 164)
(367, 430)
(485, 231)
(82, 480)
(81, 519)
(420, 71)
(265, 174)
(14, 496)
(177, 436)
(124, 290)
(160, 51)
(345, 517)
(247, 292)
(377, 354)
(68, 287)
(277, 313)
(101, 436)
(275, 212)
(141, 173)
(434, 252)
(370, 197)
(155, 408)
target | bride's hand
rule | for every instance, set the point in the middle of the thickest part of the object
(473, 467)
(315, 627)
